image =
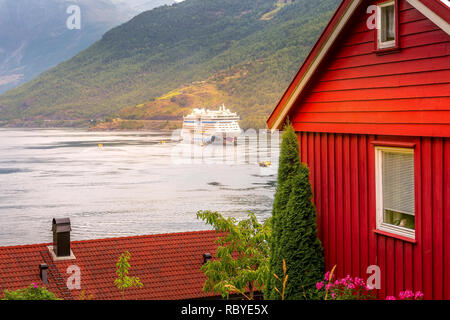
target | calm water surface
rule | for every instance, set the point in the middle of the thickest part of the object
(132, 185)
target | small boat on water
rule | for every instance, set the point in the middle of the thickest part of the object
(265, 164)
(211, 126)
(266, 168)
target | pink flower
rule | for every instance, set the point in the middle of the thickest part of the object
(327, 276)
(319, 285)
(406, 295)
(419, 295)
(34, 285)
(350, 286)
(333, 295)
(328, 286)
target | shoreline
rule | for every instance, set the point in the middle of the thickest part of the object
(113, 125)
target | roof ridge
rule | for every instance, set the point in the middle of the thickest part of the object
(156, 235)
(32, 245)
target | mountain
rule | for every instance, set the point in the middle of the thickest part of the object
(246, 51)
(34, 35)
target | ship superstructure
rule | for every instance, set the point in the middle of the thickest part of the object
(208, 126)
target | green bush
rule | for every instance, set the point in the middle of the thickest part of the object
(241, 260)
(33, 292)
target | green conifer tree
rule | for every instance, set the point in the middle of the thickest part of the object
(301, 248)
(294, 229)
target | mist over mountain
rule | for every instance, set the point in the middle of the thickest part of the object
(137, 6)
(34, 35)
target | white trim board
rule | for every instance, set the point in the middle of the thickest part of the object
(441, 23)
(325, 49)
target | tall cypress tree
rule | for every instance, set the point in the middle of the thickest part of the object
(294, 229)
(299, 243)
(288, 166)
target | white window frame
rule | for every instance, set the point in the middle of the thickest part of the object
(390, 43)
(381, 225)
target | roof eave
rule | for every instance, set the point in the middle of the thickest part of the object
(311, 63)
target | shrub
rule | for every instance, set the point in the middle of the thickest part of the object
(242, 256)
(33, 292)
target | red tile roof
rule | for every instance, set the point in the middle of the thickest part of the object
(167, 264)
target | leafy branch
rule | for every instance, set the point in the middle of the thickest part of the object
(242, 256)
(123, 281)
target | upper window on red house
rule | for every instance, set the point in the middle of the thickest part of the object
(386, 25)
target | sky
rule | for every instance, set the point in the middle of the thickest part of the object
(135, 3)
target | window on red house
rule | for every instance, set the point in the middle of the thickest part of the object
(395, 190)
(386, 25)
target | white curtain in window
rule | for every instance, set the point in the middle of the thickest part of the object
(390, 15)
(398, 182)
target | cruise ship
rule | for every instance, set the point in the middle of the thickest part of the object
(211, 126)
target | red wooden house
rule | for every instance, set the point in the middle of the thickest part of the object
(371, 105)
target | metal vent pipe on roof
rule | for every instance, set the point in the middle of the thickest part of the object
(43, 272)
(206, 257)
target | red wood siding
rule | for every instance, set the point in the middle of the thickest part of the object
(343, 177)
(400, 93)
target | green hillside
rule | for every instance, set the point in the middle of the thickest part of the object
(247, 50)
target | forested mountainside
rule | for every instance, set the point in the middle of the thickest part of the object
(170, 59)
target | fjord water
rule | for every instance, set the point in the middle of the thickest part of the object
(113, 184)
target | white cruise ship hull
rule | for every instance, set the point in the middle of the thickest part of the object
(210, 138)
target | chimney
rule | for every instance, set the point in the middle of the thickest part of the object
(206, 257)
(61, 237)
(43, 272)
